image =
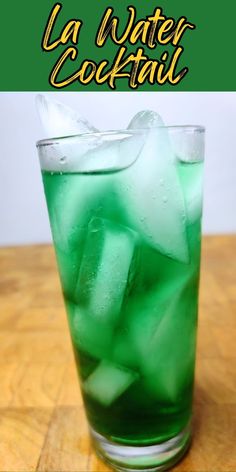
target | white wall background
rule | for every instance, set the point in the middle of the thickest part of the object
(23, 215)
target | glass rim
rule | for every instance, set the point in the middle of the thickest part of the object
(56, 140)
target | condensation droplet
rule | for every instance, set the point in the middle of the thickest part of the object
(63, 160)
(165, 199)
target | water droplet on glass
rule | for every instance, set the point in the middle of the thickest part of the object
(161, 182)
(165, 199)
(63, 160)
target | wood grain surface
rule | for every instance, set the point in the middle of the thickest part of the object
(42, 421)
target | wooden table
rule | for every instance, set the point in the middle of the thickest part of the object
(42, 423)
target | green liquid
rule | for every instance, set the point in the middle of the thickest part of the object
(132, 309)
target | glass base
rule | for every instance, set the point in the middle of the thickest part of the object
(157, 457)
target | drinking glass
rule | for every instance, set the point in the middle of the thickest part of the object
(125, 212)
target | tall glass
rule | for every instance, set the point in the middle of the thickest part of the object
(125, 212)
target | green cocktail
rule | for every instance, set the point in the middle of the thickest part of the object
(127, 240)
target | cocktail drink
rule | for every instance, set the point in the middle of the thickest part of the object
(125, 214)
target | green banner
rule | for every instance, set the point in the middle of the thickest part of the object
(117, 45)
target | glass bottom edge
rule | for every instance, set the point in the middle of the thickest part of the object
(159, 457)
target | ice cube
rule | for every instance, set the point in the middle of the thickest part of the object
(112, 151)
(92, 153)
(108, 382)
(169, 361)
(191, 177)
(68, 269)
(146, 119)
(72, 202)
(152, 195)
(105, 267)
(124, 351)
(144, 317)
(188, 144)
(60, 120)
(90, 335)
